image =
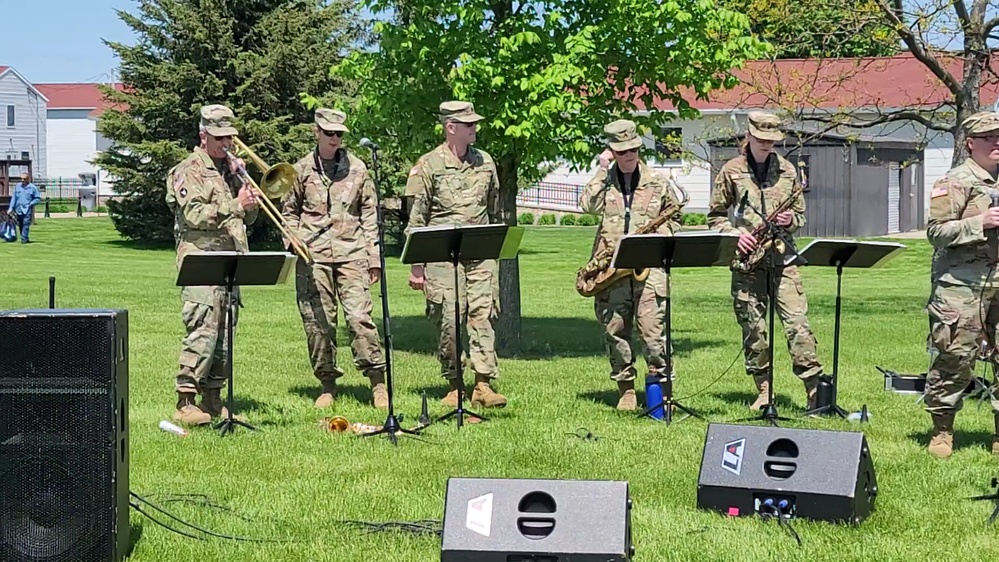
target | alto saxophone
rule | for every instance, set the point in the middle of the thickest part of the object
(747, 263)
(598, 274)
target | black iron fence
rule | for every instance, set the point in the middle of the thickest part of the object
(550, 195)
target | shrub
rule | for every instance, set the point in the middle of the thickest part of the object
(587, 220)
(525, 218)
(568, 220)
(547, 219)
(695, 219)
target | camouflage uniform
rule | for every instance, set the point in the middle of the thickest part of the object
(446, 190)
(332, 210)
(628, 300)
(749, 291)
(201, 194)
(964, 289)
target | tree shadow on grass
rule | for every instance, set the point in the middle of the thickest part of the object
(257, 413)
(542, 338)
(124, 244)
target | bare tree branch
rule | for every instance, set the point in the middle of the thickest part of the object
(918, 49)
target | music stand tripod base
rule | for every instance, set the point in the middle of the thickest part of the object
(652, 251)
(454, 244)
(229, 270)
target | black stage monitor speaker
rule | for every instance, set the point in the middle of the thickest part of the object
(519, 520)
(804, 473)
(63, 435)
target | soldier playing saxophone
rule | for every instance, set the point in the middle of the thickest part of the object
(759, 170)
(628, 195)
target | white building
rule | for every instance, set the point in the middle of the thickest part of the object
(865, 89)
(23, 134)
(73, 140)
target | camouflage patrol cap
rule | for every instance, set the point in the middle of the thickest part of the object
(622, 135)
(217, 120)
(981, 123)
(460, 111)
(331, 120)
(765, 126)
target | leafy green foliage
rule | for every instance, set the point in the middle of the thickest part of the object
(252, 55)
(546, 75)
(833, 28)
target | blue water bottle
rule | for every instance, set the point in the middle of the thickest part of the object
(654, 396)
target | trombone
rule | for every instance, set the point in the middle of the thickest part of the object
(276, 181)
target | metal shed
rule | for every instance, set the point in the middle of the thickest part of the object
(855, 185)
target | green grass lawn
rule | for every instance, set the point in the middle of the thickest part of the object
(293, 481)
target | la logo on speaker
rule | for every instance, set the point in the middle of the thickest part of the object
(732, 456)
(480, 514)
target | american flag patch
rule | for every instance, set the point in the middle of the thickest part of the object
(938, 192)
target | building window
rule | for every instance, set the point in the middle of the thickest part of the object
(10, 115)
(669, 146)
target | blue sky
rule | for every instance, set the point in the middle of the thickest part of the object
(60, 40)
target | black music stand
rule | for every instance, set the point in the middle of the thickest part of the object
(454, 244)
(228, 270)
(685, 249)
(840, 254)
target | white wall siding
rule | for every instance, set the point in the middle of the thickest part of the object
(73, 142)
(28, 134)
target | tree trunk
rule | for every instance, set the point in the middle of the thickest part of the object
(508, 323)
(975, 59)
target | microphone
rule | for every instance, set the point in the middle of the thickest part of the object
(995, 197)
(366, 143)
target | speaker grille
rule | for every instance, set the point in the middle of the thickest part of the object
(66, 349)
(63, 439)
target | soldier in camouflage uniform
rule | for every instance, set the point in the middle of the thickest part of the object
(332, 210)
(626, 196)
(964, 288)
(456, 183)
(210, 213)
(760, 170)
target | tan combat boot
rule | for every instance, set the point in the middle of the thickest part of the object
(483, 396)
(942, 441)
(628, 400)
(763, 386)
(211, 403)
(188, 413)
(328, 395)
(451, 400)
(379, 394)
(995, 437)
(811, 389)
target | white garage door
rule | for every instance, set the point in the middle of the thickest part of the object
(894, 195)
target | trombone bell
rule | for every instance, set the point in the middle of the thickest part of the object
(276, 180)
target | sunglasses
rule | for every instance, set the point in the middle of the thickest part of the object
(332, 133)
(629, 151)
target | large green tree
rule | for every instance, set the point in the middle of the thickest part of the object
(256, 56)
(547, 75)
(830, 28)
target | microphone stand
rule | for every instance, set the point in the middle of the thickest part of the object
(391, 426)
(772, 232)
